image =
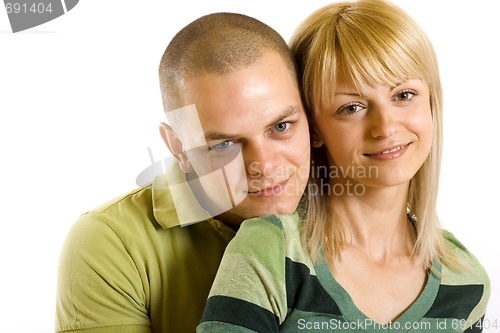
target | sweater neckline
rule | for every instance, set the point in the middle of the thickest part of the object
(352, 314)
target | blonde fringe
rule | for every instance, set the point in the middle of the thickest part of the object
(323, 46)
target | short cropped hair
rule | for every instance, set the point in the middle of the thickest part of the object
(217, 43)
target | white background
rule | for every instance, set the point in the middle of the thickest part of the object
(80, 105)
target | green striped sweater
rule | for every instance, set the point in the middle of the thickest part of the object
(268, 283)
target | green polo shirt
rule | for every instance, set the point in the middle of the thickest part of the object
(128, 265)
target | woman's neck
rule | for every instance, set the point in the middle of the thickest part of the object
(376, 222)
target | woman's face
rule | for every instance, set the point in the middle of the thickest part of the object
(379, 136)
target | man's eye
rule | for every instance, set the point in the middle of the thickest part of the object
(221, 146)
(281, 127)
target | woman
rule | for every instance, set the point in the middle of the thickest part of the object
(369, 255)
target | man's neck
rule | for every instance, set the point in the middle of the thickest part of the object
(231, 220)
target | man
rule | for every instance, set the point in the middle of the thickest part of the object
(237, 129)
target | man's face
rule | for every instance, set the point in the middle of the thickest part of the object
(255, 130)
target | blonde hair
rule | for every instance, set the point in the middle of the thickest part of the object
(372, 42)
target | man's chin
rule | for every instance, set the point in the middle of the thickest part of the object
(266, 212)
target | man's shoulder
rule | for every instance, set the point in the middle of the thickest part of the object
(137, 198)
(135, 205)
(118, 220)
(137, 215)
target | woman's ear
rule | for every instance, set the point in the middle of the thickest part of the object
(316, 140)
(174, 144)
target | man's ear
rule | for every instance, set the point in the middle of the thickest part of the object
(174, 144)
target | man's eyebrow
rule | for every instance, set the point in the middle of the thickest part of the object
(218, 136)
(288, 112)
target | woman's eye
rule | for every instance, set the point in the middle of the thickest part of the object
(281, 127)
(350, 109)
(405, 95)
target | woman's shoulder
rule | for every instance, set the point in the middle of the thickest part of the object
(453, 242)
(468, 283)
(471, 272)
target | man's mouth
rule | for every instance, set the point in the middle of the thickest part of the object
(269, 191)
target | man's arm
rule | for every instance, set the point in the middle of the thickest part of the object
(99, 288)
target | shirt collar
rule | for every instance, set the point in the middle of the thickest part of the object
(174, 204)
